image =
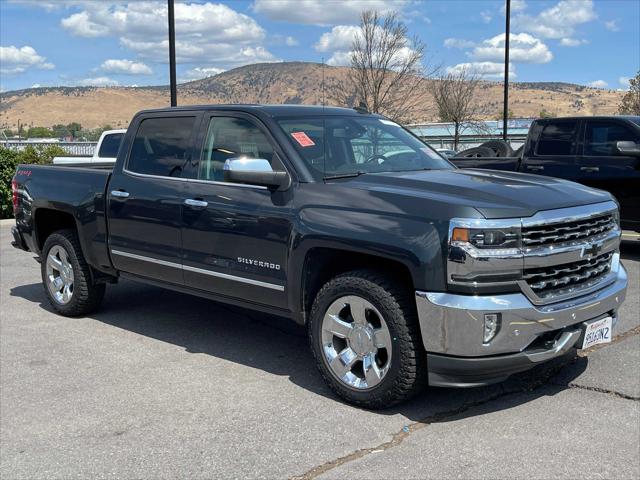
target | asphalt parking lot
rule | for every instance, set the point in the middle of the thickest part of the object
(158, 384)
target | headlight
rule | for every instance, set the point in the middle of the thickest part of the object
(484, 253)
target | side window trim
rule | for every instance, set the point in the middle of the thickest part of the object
(191, 150)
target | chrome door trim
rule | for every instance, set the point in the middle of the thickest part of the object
(192, 202)
(202, 271)
(119, 194)
(234, 278)
(145, 259)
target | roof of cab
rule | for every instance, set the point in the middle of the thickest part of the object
(271, 110)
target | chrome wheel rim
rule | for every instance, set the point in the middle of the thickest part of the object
(59, 275)
(356, 342)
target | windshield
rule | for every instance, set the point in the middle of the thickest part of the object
(336, 146)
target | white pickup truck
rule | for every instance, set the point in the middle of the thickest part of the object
(106, 150)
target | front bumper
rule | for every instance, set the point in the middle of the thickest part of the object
(452, 331)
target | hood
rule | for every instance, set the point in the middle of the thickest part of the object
(495, 194)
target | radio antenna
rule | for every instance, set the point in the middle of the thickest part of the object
(323, 102)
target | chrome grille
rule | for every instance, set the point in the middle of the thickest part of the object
(553, 233)
(548, 281)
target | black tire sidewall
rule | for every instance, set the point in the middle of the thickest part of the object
(81, 284)
(326, 297)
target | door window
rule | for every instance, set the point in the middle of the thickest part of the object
(557, 139)
(601, 138)
(110, 145)
(161, 146)
(231, 137)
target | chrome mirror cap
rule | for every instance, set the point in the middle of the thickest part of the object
(247, 165)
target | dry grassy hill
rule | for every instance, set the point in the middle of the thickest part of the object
(292, 82)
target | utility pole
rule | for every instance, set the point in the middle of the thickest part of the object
(172, 55)
(505, 115)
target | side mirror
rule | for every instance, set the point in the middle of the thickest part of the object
(255, 171)
(631, 149)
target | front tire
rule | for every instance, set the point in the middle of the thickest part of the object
(365, 338)
(66, 276)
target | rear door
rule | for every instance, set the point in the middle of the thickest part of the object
(145, 199)
(601, 166)
(236, 237)
(554, 153)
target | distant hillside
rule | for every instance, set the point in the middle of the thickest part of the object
(291, 82)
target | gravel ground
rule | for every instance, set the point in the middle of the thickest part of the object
(162, 385)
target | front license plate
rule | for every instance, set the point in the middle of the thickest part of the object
(597, 332)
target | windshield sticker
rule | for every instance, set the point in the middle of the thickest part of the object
(388, 122)
(302, 139)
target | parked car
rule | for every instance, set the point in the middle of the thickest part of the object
(600, 152)
(404, 269)
(105, 152)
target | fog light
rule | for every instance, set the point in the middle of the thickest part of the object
(491, 326)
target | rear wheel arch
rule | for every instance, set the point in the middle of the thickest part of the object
(47, 221)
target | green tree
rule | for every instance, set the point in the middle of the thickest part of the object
(60, 131)
(631, 101)
(74, 129)
(39, 132)
(545, 114)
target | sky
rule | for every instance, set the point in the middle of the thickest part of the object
(123, 43)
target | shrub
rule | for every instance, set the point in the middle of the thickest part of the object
(10, 159)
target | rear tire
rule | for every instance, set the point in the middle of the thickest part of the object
(66, 276)
(385, 348)
(499, 147)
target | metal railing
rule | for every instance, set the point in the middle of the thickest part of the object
(81, 149)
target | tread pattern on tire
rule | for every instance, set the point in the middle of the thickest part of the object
(475, 152)
(499, 147)
(412, 375)
(87, 296)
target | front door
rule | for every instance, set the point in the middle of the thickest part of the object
(146, 199)
(235, 237)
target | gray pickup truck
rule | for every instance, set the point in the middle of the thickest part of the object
(404, 269)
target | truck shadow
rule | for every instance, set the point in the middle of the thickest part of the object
(279, 347)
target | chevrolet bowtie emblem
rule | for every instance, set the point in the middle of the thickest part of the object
(591, 251)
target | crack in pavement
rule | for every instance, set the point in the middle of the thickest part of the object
(399, 437)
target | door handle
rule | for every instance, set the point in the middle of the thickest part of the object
(590, 169)
(193, 202)
(535, 168)
(119, 193)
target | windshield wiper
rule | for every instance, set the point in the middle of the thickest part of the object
(345, 175)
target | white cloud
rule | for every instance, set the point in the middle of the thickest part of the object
(338, 42)
(482, 69)
(458, 43)
(207, 34)
(291, 42)
(199, 72)
(624, 81)
(598, 84)
(36, 85)
(612, 26)
(523, 48)
(14, 60)
(486, 16)
(559, 21)
(125, 67)
(81, 25)
(339, 38)
(572, 42)
(321, 12)
(97, 82)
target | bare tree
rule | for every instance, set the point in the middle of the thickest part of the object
(631, 101)
(387, 75)
(455, 97)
